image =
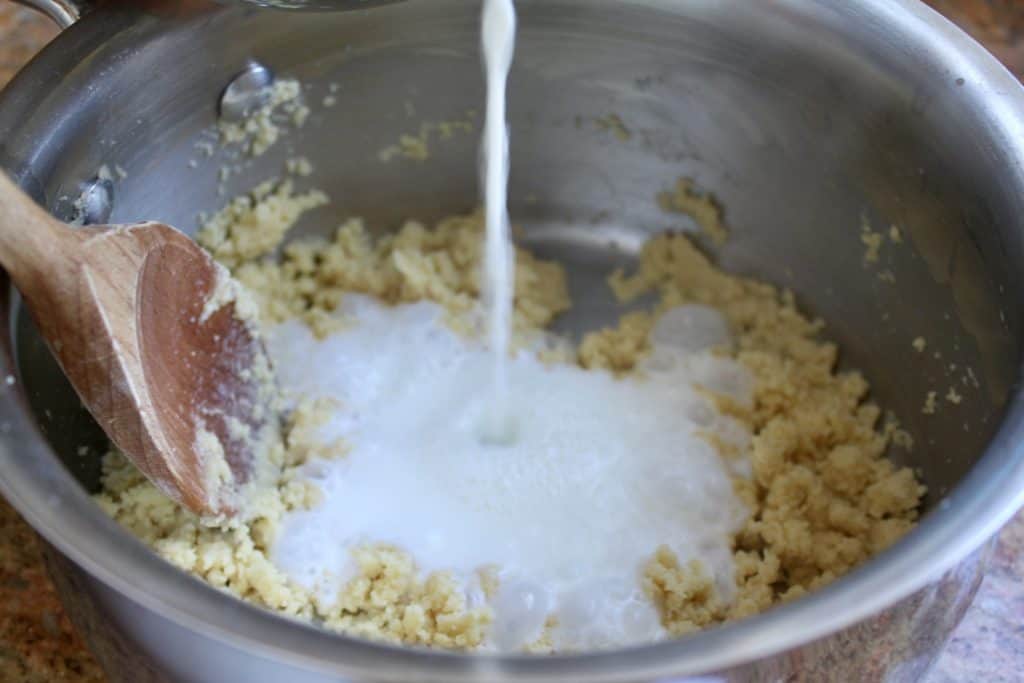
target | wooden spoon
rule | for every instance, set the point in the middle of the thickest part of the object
(122, 309)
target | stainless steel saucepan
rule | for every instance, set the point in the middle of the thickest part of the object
(807, 118)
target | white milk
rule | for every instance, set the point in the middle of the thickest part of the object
(602, 472)
(565, 480)
(498, 43)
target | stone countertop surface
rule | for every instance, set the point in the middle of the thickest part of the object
(38, 643)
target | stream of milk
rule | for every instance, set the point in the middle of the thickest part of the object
(498, 33)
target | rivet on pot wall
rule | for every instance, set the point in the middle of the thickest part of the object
(96, 202)
(246, 91)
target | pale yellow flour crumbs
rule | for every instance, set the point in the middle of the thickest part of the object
(823, 496)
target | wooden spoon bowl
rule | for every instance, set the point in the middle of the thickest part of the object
(150, 332)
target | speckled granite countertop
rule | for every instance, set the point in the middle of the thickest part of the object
(38, 644)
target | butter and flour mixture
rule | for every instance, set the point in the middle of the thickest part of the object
(699, 462)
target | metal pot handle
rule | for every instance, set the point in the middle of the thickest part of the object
(63, 12)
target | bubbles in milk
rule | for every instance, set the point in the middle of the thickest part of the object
(603, 471)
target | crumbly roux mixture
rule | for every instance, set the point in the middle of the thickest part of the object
(823, 496)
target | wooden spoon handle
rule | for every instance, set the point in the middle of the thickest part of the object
(33, 244)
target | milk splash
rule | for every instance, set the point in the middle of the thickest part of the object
(603, 470)
(498, 44)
